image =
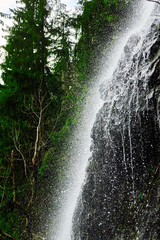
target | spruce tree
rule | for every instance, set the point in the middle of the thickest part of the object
(25, 98)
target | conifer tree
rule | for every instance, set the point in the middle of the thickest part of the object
(25, 98)
(98, 22)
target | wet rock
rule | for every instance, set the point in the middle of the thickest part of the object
(120, 199)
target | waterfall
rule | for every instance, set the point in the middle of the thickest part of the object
(97, 177)
(120, 197)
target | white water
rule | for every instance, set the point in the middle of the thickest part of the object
(80, 148)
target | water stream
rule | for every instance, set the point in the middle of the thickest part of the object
(79, 152)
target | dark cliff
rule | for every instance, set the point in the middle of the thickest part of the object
(120, 198)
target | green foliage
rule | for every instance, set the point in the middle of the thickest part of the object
(97, 24)
(140, 196)
(66, 122)
(11, 223)
(57, 137)
(44, 165)
(26, 100)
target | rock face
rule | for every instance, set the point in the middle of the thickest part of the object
(121, 195)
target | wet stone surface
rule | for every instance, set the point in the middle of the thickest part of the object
(120, 199)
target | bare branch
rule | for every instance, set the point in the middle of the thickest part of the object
(33, 192)
(13, 176)
(15, 138)
(6, 234)
(46, 106)
(4, 188)
(41, 100)
(37, 138)
(33, 112)
(37, 236)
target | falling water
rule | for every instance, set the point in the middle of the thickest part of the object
(79, 150)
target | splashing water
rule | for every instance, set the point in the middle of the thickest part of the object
(80, 148)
